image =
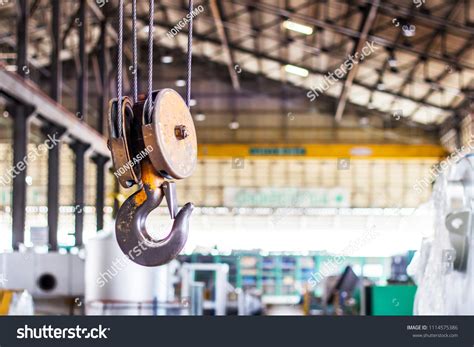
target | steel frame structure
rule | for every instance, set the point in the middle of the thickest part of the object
(228, 16)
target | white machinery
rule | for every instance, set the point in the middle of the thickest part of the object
(117, 286)
(219, 302)
(44, 275)
(114, 284)
(460, 194)
(444, 267)
(110, 276)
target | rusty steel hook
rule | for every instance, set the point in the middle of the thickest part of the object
(131, 232)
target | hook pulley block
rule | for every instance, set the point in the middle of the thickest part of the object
(168, 137)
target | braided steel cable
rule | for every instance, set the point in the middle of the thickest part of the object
(190, 53)
(119, 68)
(150, 56)
(135, 51)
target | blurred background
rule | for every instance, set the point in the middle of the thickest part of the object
(322, 127)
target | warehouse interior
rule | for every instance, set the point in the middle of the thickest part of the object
(334, 173)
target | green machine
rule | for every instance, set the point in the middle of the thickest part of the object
(391, 300)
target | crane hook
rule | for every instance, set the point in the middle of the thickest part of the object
(164, 143)
(132, 235)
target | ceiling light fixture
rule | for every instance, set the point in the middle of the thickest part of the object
(200, 117)
(234, 125)
(392, 61)
(408, 30)
(299, 28)
(167, 59)
(180, 82)
(296, 70)
(11, 68)
(29, 180)
(364, 121)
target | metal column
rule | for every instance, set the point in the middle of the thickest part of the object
(22, 37)
(56, 70)
(54, 131)
(53, 193)
(79, 149)
(100, 161)
(20, 144)
(102, 98)
(20, 133)
(82, 73)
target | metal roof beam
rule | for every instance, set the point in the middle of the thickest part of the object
(281, 61)
(364, 33)
(435, 21)
(277, 11)
(217, 14)
(29, 94)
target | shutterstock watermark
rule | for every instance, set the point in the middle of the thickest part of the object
(3, 280)
(101, 3)
(435, 171)
(120, 263)
(32, 155)
(184, 22)
(333, 77)
(134, 161)
(418, 3)
(331, 265)
(48, 332)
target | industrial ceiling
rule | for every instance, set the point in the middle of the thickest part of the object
(420, 68)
